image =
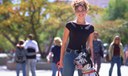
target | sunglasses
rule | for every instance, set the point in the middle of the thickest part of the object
(79, 4)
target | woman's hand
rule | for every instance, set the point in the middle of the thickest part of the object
(60, 64)
(48, 62)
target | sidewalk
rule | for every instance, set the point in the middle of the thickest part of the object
(103, 72)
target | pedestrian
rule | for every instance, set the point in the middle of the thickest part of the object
(32, 49)
(98, 51)
(115, 55)
(20, 58)
(80, 34)
(55, 54)
(126, 54)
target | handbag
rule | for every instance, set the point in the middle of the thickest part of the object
(83, 59)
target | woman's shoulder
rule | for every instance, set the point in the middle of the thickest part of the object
(69, 23)
(90, 24)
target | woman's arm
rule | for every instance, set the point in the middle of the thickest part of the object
(49, 56)
(122, 53)
(64, 42)
(90, 42)
(110, 51)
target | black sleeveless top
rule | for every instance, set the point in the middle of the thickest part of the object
(78, 35)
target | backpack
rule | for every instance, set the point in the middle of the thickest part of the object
(20, 55)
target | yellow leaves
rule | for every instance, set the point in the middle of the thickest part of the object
(3, 10)
(110, 24)
(109, 28)
(6, 9)
(95, 9)
(6, 23)
(37, 3)
(10, 10)
(24, 6)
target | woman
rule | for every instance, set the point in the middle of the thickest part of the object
(20, 58)
(115, 54)
(55, 54)
(79, 33)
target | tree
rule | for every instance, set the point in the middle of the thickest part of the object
(37, 17)
(57, 15)
(18, 20)
(118, 9)
(114, 21)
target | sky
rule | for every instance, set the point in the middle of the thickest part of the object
(51, 0)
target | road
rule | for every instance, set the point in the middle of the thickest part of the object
(103, 71)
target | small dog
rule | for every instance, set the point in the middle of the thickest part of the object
(83, 62)
(82, 59)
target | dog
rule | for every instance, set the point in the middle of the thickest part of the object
(83, 62)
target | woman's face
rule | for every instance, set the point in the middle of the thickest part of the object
(117, 40)
(80, 12)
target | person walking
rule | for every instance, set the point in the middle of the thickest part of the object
(55, 54)
(32, 49)
(126, 54)
(20, 58)
(115, 55)
(80, 35)
(98, 51)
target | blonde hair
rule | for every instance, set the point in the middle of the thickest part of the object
(57, 41)
(115, 38)
(83, 3)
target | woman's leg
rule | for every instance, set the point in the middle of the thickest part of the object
(54, 69)
(118, 66)
(24, 69)
(111, 68)
(68, 64)
(18, 66)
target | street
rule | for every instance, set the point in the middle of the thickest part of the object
(103, 71)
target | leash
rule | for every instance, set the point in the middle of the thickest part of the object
(58, 69)
(88, 72)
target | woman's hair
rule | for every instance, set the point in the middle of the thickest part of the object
(76, 3)
(116, 38)
(57, 41)
(20, 43)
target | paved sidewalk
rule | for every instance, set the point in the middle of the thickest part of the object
(103, 72)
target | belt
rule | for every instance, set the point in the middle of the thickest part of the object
(72, 50)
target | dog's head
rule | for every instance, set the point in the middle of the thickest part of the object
(82, 59)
